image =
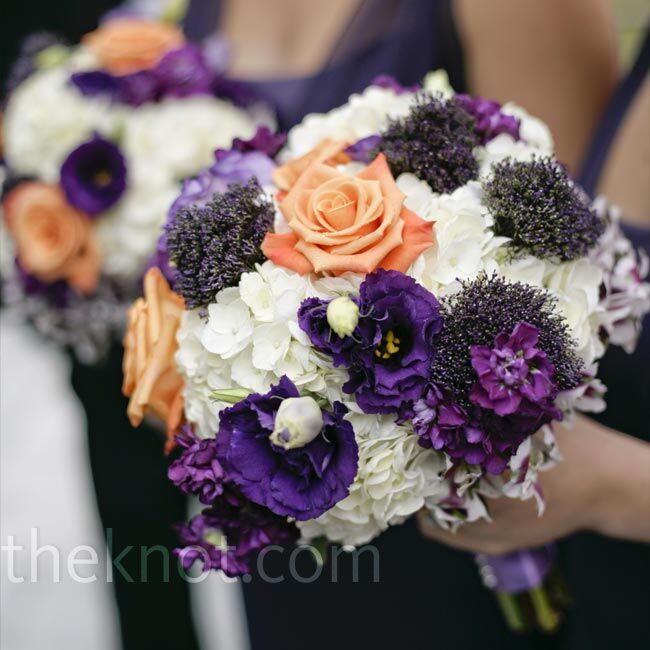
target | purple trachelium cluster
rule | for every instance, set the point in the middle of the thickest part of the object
(247, 159)
(210, 246)
(229, 535)
(25, 63)
(541, 210)
(390, 83)
(93, 176)
(182, 72)
(389, 354)
(435, 141)
(301, 482)
(490, 121)
(484, 308)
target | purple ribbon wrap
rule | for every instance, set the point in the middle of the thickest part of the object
(518, 571)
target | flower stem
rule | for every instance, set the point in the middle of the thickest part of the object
(547, 618)
(511, 611)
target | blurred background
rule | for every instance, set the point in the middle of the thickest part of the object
(44, 476)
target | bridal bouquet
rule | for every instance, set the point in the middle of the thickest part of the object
(97, 139)
(389, 317)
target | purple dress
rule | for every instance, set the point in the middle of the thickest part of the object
(402, 38)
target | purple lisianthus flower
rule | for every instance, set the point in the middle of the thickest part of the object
(364, 150)
(138, 88)
(231, 166)
(197, 471)
(265, 141)
(490, 121)
(513, 370)
(183, 72)
(391, 349)
(57, 293)
(390, 83)
(95, 83)
(301, 482)
(312, 318)
(93, 176)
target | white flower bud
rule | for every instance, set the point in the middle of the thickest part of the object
(298, 421)
(343, 315)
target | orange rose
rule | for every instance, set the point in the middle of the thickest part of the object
(54, 241)
(150, 376)
(328, 151)
(126, 45)
(344, 223)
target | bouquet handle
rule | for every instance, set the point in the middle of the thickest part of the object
(529, 590)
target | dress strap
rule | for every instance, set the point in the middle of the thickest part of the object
(612, 118)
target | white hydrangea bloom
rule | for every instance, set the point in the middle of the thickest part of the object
(364, 114)
(465, 243)
(128, 232)
(394, 478)
(251, 337)
(177, 137)
(46, 118)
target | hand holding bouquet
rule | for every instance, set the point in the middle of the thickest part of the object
(389, 319)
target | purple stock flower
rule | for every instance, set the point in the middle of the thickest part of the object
(265, 141)
(511, 399)
(301, 482)
(93, 176)
(511, 371)
(490, 121)
(363, 150)
(183, 72)
(227, 536)
(445, 425)
(197, 471)
(390, 352)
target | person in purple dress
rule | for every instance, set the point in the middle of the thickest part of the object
(558, 60)
(603, 485)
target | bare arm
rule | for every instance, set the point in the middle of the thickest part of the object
(557, 58)
(603, 485)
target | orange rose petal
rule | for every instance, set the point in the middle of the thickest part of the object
(280, 249)
(364, 262)
(127, 45)
(174, 421)
(84, 276)
(327, 150)
(379, 170)
(418, 235)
